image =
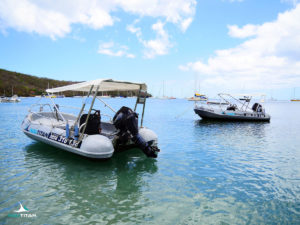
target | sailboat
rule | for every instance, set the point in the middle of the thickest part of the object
(295, 99)
(164, 96)
(197, 96)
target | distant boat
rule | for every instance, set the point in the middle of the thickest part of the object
(295, 99)
(12, 99)
(2, 99)
(50, 96)
(238, 109)
(198, 97)
(164, 97)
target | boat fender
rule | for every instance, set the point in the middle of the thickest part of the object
(97, 144)
(76, 132)
(67, 130)
(148, 135)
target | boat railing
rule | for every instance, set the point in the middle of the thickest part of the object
(53, 110)
(41, 109)
(70, 107)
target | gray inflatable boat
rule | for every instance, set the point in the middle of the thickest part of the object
(237, 109)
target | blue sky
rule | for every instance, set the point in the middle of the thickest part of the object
(210, 45)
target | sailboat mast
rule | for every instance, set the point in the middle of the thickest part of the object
(294, 93)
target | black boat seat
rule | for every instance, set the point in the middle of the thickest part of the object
(93, 124)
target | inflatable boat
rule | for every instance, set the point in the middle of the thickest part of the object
(233, 108)
(84, 133)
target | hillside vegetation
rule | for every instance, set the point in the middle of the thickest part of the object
(26, 85)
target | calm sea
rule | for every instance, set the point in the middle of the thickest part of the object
(206, 172)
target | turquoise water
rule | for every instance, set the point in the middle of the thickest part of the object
(206, 172)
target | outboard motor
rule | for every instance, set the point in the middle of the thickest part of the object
(126, 121)
(257, 107)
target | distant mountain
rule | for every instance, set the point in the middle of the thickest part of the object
(26, 85)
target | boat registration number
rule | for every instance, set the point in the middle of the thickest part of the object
(59, 138)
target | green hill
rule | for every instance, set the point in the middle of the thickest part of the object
(26, 85)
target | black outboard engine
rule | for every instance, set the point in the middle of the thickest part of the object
(126, 121)
(257, 107)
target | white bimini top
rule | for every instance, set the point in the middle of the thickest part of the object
(103, 84)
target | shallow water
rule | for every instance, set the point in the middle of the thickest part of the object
(206, 172)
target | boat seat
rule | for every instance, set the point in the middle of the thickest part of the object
(232, 107)
(93, 124)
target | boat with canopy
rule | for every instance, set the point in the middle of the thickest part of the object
(84, 133)
(234, 108)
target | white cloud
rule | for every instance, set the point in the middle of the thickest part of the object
(246, 31)
(51, 18)
(294, 2)
(270, 58)
(158, 46)
(175, 11)
(186, 23)
(109, 48)
(54, 18)
(135, 30)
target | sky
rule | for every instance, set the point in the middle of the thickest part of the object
(208, 46)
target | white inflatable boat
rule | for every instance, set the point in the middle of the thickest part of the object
(84, 133)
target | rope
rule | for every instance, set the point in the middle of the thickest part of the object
(181, 114)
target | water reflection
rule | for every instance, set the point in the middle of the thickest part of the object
(235, 131)
(106, 191)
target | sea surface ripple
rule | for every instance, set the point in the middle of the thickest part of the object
(206, 172)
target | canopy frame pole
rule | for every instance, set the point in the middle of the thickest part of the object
(105, 104)
(232, 98)
(142, 119)
(140, 100)
(247, 106)
(83, 106)
(89, 113)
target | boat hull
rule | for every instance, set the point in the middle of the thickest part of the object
(68, 148)
(231, 116)
(97, 146)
